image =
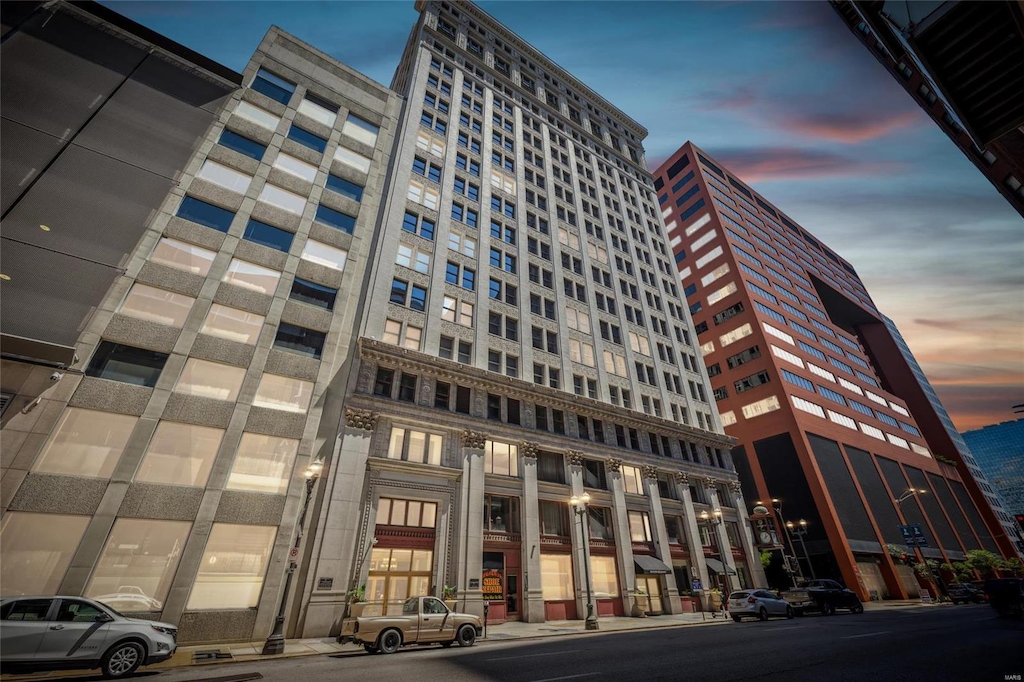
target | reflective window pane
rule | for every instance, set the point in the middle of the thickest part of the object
(118, 362)
(210, 380)
(263, 464)
(180, 454)
(37, 549)
(329, 256)
(361, 130)
(232, 568)
(86, 443)
(283, 393)
(232, 324)
(182, 256)
(251, 276)
(157, 305)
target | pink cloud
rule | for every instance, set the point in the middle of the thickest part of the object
(787, 163)
(851, 128)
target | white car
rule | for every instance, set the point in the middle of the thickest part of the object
(760, 604)
(74, 633)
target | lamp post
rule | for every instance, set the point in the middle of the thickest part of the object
(777, 506)
(911, 492)
(579, 508)
(713, 520)
(800, 530)
(275, 642)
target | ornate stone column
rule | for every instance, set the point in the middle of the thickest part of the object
(532, 610)
(471, 524)
(579, 577)
(732, 575)
(623, 541)
(339, 558)
(670, 595)
(747, 537)
(699, 567)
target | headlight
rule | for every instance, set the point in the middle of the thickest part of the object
(167, 631)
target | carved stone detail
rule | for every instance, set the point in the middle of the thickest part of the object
(361, 419)
(528, 450)
(614, 465)
(710, 482)
(473, 439)
(682, 477)
(649, 471)
(575, 457)
(734, 486)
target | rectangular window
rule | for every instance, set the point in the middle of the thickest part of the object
(157, 305)
(180, 454)
(202, 213)
(415, 446)
(283, 393)
(336, 219)
(319, 110)
(349, 190)
(360, 130)
(232, 568)
(307, 139)
(273, 86)
(639, 526)
(300, 340)
(314, 294)
(324, 254)
(207, 379)
(556, 576)
(283, 199)
(118, 362)
(263, 464)
(268, 235)
(37, 550)
(410, 513)
(501, 458)
(232, 324)
(225, 177)
(260, 117)
(632, 480)
(252, 277)
(182, 256)
(296, 167)
(352, 159)
(85, 443)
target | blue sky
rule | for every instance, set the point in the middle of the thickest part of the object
(786, 98)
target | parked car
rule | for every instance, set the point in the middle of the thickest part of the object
(760, 604)
(74, 633)
(964, 593)
(424, 620)
(822, 595)
(1006, 596)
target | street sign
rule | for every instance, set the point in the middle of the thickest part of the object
(913, 536)
(695, 585)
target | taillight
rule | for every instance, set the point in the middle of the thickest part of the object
(751, 600)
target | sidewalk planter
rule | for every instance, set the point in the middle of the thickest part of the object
(641, 606)
(356, 609)
(451, 604)
(715, 601)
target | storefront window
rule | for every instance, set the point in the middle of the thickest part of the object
(600, 523)
(501, 458)
(553, 519)
(86, 443)
(556, 576)
(232, 568)
(138, 563)
(501, 514)
(603, 577)
(415, 446)
(36, 550)
(392, 512)
(263, 464)
(639, 527)
(396, 575)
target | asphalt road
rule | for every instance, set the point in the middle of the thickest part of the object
(958, 644)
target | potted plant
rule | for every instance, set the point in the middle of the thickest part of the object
(356, 601)
(448, 596)
(641, 603)
(716, 599)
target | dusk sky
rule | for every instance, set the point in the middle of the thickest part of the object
(786, 98)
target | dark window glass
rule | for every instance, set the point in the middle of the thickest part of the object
(442, 395)
(384, 381)
(274, 87)
(300, 340)
(446, 348)
(335, 219)
(465, 351)
(514, 411)
(307, 139)
(594, 475)
(398, 291)
(314, 294)
(268, 235)
(407, 388)
(205, 214)
(117, 362)
(242, 145)
(26, 610)
(493, 406)
(462, 395)
(550, 467)
(344, 187)
(418, 299)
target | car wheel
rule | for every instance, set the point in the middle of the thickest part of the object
(736, 619)
(857, 608)
(370, 649)
(762, 614)
(828, 609)
(789, 612)
(123, 659)
(389, 641)
(466, 636)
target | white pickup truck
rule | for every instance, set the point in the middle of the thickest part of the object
(424, 620)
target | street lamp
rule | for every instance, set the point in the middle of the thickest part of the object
(714, 519)
(910, 493)
(800, 531)
(579, 507)
(777, 506)
(275, 642)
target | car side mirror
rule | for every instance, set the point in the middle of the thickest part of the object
(103, 618)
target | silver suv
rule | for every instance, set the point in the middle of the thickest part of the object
(75, 633)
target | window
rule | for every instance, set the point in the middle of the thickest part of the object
(556, 576)
(391, 512)
(85, 443)
(283, 199)
(751, 381)
(632, 480)
(260, 117)
(307, 139)
(503, 261)
(232, 568)
(407, 387)
(553, 518)
(252, 277)
(319, 110)
(551, 467)
(225, 177)
(417, 225)
(314, 294)
(156, 305)
(545, 340)
(594, 474)
(393, 334)
(501, 514)
(180, 454)
(460, 312)
(581, 352)
(503, 325)
(207, 379)
(414, 296)
(232, 324)
(415, 446)
(797, 380)
(118, 362)
(268, 235)
(413, 258)
(427, 196)
(349, 190)
(283, 393)
(501, 458)
(182, 256)
(460, 275)
(384, 382)
(202, 213)
(300, 340)
(336, 219)
(37, 550)
(296, 167)
(352, 159)
(323, 254)
(360, 130)
(460, 243)
(639, 526)
(263, 464)
(274, 87)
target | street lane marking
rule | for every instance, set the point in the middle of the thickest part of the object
(567, 677)
(553, 653)
(868, 634)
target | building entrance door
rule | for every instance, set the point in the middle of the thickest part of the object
(651, 584)
(512, 595)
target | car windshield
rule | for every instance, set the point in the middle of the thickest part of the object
(739, 595)
(411, 605)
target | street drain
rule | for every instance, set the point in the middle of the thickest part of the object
(211, 656)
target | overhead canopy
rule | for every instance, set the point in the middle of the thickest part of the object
(717, 566)
(650, 565)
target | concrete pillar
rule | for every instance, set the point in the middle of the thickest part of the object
(624, 543)
(471, 524)
(732, 575)
(532, 609)
(693, 542)
(747, 537)
(575, 458)
(670, 595)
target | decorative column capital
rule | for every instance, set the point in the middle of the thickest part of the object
(575, 457)
(734, 486)
(473, 439)
(614, 465)
(649, 472)
(361, 419)
(710, 482)
(682, 478)
(528, 450)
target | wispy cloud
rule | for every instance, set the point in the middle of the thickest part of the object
(762, 164)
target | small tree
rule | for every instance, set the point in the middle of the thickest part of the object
(900, 554)
(766, 559)
(1014, 566)
(961, 571)
(983, 561)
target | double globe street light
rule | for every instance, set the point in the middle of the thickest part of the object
(579, 507)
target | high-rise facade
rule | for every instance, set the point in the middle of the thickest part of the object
(829, 417)
(999, 450)
(963, 63)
